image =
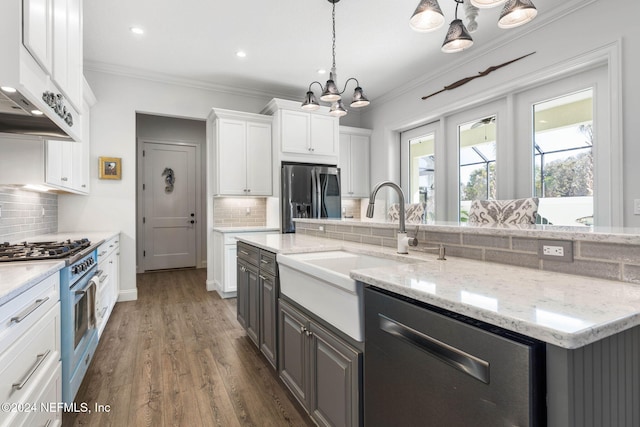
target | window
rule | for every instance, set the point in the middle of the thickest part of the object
(563, 158)
(422, 173)
(477, 165)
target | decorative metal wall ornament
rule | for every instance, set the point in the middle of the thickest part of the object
(480, 74)
(169, 179)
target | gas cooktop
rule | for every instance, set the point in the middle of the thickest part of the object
(32, 251)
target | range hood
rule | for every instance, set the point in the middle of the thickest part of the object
(20, 116)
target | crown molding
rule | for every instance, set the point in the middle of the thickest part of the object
(119, 70)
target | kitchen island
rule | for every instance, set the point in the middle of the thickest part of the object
(590, 324)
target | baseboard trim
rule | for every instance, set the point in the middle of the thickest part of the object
(128, 295)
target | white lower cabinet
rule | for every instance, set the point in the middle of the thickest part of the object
(225, 275)
(109, 283)
(30, 367)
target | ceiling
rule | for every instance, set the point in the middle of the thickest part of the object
(286, 42)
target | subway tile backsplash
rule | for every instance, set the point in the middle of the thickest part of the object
(21, 214)
(601, 259)
(239, 212)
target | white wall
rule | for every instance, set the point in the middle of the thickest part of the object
(112, 204)
(587, 29)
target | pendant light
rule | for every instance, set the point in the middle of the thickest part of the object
(458, 38)
(516, 13)
(330, 92)
(428, 16)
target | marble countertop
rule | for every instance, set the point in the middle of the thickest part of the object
(18, 277)
(245, 229)
(93, 236)
(564, 310)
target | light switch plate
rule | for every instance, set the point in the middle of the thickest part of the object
(555, 250)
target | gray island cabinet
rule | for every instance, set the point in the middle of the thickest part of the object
(257, 297)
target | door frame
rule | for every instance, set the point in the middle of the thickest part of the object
(200, 207)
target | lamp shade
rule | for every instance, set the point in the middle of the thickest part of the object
(337, 109)
(485, 4)
(310, 102)
(330, 92)
(457, 39)
(516, 13)
(427, 17)
(359, 100)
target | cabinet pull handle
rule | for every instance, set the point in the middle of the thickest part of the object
(103, 278)
(244, 252)
(64, 178)
(20, 317)
(303, 329)
(102, 253)
(308, 333)
(39, 359)
(49, 421)
(262, 277)
(452, 356)
(264, 261)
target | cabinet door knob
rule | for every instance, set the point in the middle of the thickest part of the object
(64, 178)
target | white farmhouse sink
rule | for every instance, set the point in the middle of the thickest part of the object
(320, 282)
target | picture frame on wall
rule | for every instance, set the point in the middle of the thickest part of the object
(110, 168)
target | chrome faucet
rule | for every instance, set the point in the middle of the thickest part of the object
(403, 240)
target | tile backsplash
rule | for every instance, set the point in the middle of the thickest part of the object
(239, 212)
(26, 214)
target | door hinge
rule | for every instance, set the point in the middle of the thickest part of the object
(144, 220)
(144, 187)
(144, 253)
(143, 153)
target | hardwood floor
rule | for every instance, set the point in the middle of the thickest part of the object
(178, 357)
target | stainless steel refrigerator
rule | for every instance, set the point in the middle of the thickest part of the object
(308, 191)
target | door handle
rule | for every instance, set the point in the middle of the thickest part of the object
(458, 359)
(192, 221)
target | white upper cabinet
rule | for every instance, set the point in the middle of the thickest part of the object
(241, 153)
(354, 161)
(302, 136)
(37, 31)
(67, 49)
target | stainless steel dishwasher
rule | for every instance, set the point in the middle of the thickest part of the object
(424, 366)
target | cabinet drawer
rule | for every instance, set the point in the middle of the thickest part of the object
(23, 311)
(23, 365)
(249, 253)
(105, 249)
(268, 263)
(48, 413)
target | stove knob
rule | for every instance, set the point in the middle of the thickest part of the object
(74, 270)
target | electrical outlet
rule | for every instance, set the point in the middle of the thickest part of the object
(43, 211)
(555, 250)
(248, 211)
(636, 206)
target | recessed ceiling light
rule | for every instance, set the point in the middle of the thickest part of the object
(8, 89)
(322, 71)
(136, 30)
(241, 54)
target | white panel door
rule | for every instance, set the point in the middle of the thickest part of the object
(169, 224)
(259, 166)
(324, 130)
(231, 146)
(359, 166)
(295, 132)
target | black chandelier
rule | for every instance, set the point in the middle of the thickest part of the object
(330, 92)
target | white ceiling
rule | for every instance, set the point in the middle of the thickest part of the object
(286, 41)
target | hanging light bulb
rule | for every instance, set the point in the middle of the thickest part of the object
(485, 4)
(458, 38)
(337, 109)
(330, 91)
(516, 13)
(427, 17)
